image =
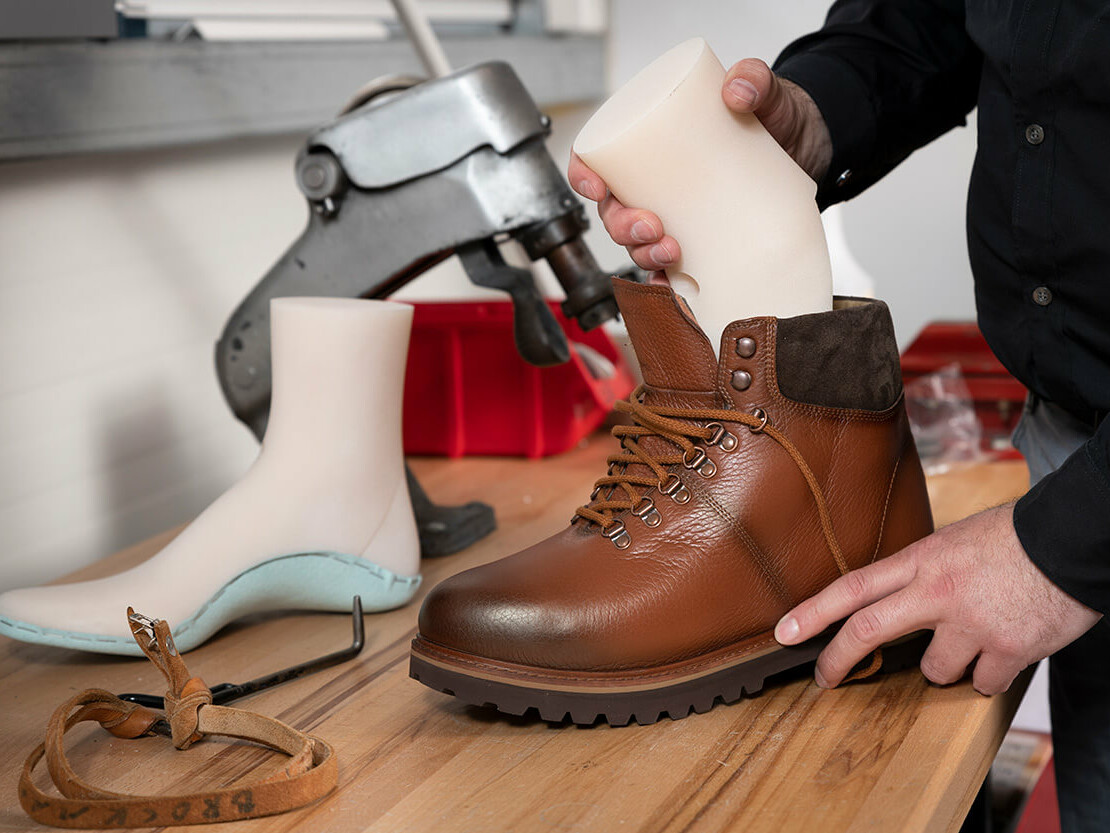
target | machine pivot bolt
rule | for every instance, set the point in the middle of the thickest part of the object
(319, 176)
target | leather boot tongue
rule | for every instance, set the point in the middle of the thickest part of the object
(673, 352)
(676, 360)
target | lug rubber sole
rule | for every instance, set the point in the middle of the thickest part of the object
(300, 581)
(559, 697)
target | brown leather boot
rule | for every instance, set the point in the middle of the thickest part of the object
(744, 486)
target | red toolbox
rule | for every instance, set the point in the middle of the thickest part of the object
(998, 397)
(468, 391)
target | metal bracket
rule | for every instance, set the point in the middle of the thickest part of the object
(539, 339)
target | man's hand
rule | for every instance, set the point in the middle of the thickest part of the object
(971, 583)
(784, 108)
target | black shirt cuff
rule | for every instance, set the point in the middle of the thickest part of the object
(845, 102)
(1064, 524)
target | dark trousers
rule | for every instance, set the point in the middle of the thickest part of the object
(1078, 675)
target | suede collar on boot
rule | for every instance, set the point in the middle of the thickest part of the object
(844, 359)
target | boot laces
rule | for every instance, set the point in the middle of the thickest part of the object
(636, 469)
(627, 482)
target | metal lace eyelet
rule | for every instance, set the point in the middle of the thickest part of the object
(764, 421)
(698, 458)
(645, 510)
(672, 487)
(700, 462)
(722, 437)
(618, 535)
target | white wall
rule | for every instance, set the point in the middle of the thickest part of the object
(117, 274)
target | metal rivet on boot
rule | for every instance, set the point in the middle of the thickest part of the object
(745, 347)
(741, 379)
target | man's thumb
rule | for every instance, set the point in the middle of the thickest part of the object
(750, 87)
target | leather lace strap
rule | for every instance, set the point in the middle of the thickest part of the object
(310, 773)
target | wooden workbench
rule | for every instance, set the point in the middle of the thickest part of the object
(892, 754)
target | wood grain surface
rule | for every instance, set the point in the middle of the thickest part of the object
(889, 754)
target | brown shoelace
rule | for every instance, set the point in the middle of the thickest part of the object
(678, 426)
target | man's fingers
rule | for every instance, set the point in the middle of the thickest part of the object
(845, 596)
(948, 656)
(656, 256)
(585, 181)
(994, 673)
(866, 630)
(629, 226)
(751, 87)
(641, 232)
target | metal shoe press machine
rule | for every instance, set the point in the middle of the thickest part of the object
(412, 172)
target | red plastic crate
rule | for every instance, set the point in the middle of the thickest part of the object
(1042, 812)
(998, 397)
(468, 391)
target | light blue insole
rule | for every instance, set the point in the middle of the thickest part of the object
(302, 581)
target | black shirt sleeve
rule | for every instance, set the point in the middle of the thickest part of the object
(1063, 523)
(888, 76)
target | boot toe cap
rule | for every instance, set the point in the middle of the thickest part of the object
(466, 613)
(461, 614)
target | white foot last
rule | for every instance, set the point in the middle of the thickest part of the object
(322, 515)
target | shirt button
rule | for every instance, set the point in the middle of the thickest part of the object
(1042, 295)
(1034, 134)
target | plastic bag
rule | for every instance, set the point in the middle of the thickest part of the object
(943, 421)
